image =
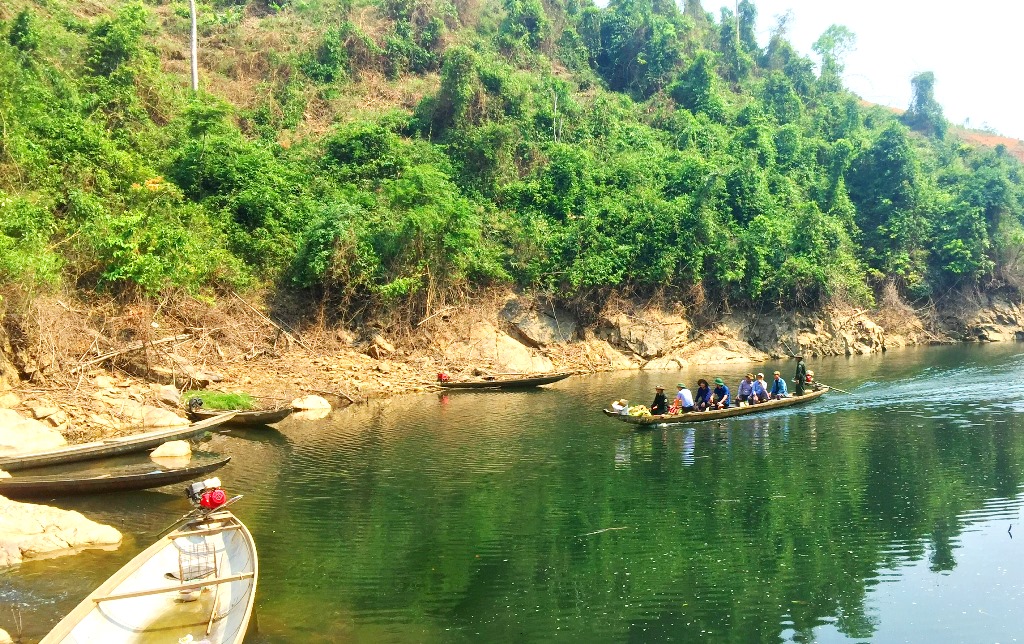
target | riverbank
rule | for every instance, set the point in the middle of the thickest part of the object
(94, 371)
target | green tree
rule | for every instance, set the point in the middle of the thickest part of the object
(833, 46)
(925, 113)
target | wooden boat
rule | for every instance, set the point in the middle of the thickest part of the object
(718, 414)
(110, 446)
(501, 382)
(139, 477)
(244, 418)
(199, 580)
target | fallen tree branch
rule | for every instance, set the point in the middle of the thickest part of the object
(135, 346)
(277, 326)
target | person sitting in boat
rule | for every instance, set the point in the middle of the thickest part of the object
(745, 390)
(621, 406)
(684, 399)
(660, 404)
(779, 387)
(720, 397)
(702, 399)
(759, 390)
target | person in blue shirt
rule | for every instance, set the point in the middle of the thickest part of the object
(702, 397)
(745, 389)
(720, 395)
(759, 393)
(779, 387)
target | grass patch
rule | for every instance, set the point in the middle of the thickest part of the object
(221, 400)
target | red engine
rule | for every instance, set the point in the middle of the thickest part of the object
(213, 498)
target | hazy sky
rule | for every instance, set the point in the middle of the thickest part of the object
(973, 49)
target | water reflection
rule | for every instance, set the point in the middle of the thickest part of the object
(530, 517)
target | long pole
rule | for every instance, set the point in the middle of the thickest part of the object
(195, 47)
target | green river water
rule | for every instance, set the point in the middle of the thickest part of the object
(892, 515)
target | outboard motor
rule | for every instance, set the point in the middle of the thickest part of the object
(208, 494)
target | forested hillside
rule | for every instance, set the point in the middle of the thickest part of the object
(405, 152)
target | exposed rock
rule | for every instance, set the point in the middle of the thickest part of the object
(8, 372)
(538, 328)
(19, 435)
(172, 449)
(311, 414)
(647, 334)
(489, 345)
(167, 394)
(9, 400)
(1001, 320)
(28, 530)
(5, 637)
(104, 382)
(311, 402)
(379, 347)
(711, 348)
(600, 352)
(149, 416)
(4, 474)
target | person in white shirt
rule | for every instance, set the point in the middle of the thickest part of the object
(684, 399)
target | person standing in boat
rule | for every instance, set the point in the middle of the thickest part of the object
(746, 388)
(779, 387)
(720, 397)
(660, 404)
(684, 399)
(702, 401)
(759, 390)
(801, 376)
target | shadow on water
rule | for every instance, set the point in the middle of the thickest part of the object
(529, 516)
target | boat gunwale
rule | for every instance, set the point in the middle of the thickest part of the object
(26, 486)
(529, 381)
(67, 625)
(719, 414)
(110, 446)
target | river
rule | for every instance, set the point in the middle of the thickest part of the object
(891, 515)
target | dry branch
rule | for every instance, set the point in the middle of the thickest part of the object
(135, 346)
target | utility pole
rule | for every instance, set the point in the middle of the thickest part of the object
(195, 47)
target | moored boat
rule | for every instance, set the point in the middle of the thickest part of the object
(504, 382)
(198, 581)
(138, 477)
(110, 446)
(717, 414)
(244, 418)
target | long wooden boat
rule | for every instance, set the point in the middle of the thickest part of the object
(498, 382)
(199, 580)
(245, 418)
(139, 477)
(110, 446)
(718, 414)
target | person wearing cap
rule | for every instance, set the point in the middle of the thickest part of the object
(660, 404)
(684, 399)
(801, 375)
(778, 387)
(720, 397)
(759, 390)
(745, 389)
(702, 399)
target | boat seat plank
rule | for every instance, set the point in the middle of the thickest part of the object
(170, 589)
(204, 532)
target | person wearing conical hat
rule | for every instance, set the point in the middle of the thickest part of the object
(801, 376)
(660, 404)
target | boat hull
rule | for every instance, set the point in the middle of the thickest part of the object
(110, 446)
(142, 601)
(20, 487)
(718, 414)
(511, 383)
(244, 418)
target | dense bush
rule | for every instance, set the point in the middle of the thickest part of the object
(555, 145)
